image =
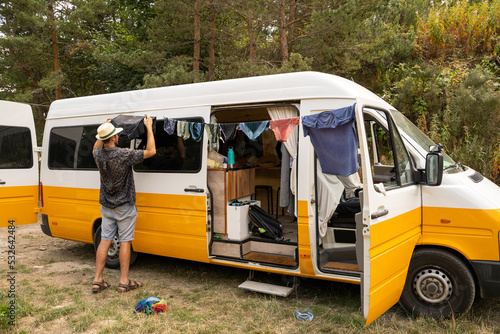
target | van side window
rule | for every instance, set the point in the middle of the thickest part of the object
(15, 147)
(390, 161)
(173, 154)
(71, 147)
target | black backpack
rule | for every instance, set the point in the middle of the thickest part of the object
(267, 225)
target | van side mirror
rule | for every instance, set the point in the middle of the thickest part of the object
(434, 168)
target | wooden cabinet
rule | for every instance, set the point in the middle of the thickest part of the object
(227, 185)
(241, 183)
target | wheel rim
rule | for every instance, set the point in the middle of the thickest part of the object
(432, 286)
(114, 248)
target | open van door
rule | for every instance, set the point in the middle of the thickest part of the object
(391, 211)
(18, 165)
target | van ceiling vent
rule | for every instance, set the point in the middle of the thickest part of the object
(476, 177)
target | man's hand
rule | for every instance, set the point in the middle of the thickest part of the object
(148, 122)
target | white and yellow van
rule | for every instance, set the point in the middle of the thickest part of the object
(427, 230)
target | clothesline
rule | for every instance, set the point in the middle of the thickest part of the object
(227, 131)
(332, 134)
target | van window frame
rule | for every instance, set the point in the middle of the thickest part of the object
(93, 143)
(29, 139)
(392, 130)
(177, 171)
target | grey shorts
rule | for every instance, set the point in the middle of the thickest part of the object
(121, 219)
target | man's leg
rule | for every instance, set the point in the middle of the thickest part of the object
(100, 261)
(124, 261)
(126, 228)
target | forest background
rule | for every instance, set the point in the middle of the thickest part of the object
(437, 62)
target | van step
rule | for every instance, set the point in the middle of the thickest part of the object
(271, 289)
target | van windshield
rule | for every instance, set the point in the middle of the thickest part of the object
(417, 135)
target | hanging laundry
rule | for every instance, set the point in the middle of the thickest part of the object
(196, 130)
(333, 136)
(183, 130)
(170, 126)
(282, 128)
(133, 126)
(228, 130)
(213, 138)
(254, 129)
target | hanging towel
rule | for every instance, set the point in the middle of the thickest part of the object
(282, 128)
(133, 126)
(170, 126)
(228, 131)
(183, 130)
(213, 138)
(196, 130)
(254, 129)
(333, 136)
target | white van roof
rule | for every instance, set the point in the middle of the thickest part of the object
(272, 88)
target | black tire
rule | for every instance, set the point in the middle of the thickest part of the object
(113, 259)
(438, 284)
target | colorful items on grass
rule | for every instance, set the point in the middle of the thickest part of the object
(151, 305)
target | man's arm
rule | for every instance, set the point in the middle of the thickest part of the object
(151, 146)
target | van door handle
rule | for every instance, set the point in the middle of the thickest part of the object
(379, 213)
(2, 182)
(194, 190)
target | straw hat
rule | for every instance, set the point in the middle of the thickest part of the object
(107, 130)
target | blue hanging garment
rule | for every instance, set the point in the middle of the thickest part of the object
(333, 136)
(196, 130)
(254, 129)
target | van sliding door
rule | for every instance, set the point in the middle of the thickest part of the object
(171, 190)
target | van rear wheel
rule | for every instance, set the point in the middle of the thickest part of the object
(113, 258)
(438, 284)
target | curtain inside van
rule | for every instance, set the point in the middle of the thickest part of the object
(291, 147)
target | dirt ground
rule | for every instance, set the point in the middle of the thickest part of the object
(53, 295)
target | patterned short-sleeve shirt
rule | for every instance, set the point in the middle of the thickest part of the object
(117, 180)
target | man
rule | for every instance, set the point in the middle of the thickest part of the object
(117, 198)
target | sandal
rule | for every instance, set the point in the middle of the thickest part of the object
(102, 286)
(132, 285)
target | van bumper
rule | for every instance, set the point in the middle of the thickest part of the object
(45, 225)
(488, 274)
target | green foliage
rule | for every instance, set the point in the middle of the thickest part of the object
(454, 105)
(176, 72)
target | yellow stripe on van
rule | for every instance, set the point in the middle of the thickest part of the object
(167, 225)
(471, 232)
(172, 225)
(18, 204)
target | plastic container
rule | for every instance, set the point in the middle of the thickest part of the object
(304, 314)
(224, 164)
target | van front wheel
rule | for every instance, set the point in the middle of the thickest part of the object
(113, 259)
(438, 284)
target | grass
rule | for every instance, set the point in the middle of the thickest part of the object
(201, 298)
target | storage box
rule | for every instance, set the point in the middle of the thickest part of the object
(238, 220)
